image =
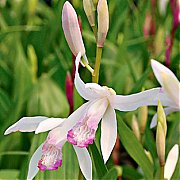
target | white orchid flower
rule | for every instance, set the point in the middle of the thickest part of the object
(170, 87)
(49, 154)
(102, 102)
(171, 162)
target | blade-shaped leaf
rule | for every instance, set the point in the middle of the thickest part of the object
(100, 167)
(134, 148)
(70, 167)
(131, 173)
(113, 173)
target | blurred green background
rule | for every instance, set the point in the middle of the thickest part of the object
(34, 60)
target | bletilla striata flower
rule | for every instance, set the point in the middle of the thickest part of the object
(49, 154)
(170, 87)
(102, 102)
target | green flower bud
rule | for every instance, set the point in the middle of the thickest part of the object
(135, 127)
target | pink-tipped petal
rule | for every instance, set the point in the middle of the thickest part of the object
(72, 30)
(171, 162)
(26, 124)
(83, 133)
(51, 157)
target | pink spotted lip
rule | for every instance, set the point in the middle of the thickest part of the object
(81, 135)
(51, 157)
(42, 167)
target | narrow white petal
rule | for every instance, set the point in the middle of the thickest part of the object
(26, 124)
(33, 169)
(167, 111)
(85, 162)
(171, 162)
(168, 81)
(108, 133)
(49, 124)
(145, 98)
(88, 93)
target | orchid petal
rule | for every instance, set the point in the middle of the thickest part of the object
(49, 124)
(33, 164)
(145, 98)
(171, 162)
(83, 133)
(88, 92)
(71, 29)
(167, 111)
(108, 133)
(85, 162)
(51, 158)
(26, 124)
(168, 81)
(68, 123)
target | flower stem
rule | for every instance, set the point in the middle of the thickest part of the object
(95, 77)
(162, 173)
(88, 67)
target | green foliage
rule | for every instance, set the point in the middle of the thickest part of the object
(34, 59)
(135, 149)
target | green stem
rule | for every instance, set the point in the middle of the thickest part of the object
(162, 173)
(88, 67)
(95, 77)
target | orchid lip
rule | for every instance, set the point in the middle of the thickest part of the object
(51, 157)
(81, 135)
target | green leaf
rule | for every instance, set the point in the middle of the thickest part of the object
(70, 167)
(5, 104)
(113, 173)
(134, 148)
(23, 153)
(130, 173)
(100, 167)
(149, 142)
(47, 99)
(140, 83)
(9, 174)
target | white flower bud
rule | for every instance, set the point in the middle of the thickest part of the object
(103, 22)
(72, 30)
(90, 11)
